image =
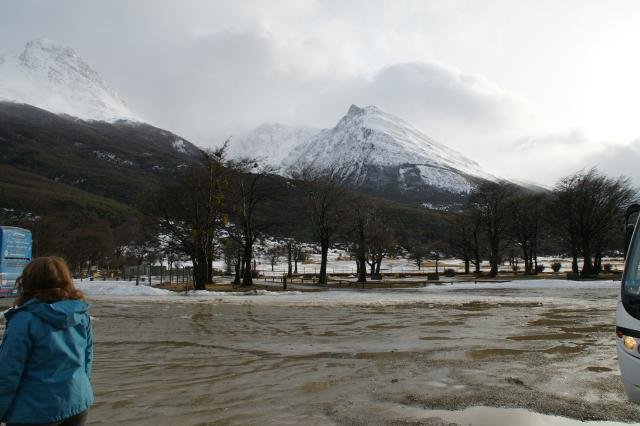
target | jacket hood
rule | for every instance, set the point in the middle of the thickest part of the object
(61, 314)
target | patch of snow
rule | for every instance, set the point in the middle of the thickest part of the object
(549, 292)
(119, 288)
(112, 158)
(130, 289)
(179, 146)
(437, 177)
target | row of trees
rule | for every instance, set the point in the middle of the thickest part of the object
(218, 209)
(580, 218)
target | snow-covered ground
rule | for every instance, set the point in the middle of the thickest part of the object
(543, 291)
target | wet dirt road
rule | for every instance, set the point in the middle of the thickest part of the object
(212, 362)
(228, 361)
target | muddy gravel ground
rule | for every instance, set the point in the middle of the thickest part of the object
(228, 361)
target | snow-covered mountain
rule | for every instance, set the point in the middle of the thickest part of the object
(53, 77)
(271, 143)
(370, 150)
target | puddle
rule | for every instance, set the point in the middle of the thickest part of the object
(597, 369)
(553, 336)
(442, 323)
(476, 306)
(384, 327)
(435, 338)
(488, 353)
(549, 322)
(489, 416)
(600, 328)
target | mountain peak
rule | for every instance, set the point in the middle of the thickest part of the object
(355, 110)
(54, 77)
(46, 44)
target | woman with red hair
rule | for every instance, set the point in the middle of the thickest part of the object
(47, 350)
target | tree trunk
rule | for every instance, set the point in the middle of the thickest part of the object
(138, 274)
(236, 279)
(200, 272)
(525, 253)
(476, 252)
(324, 247)
(289, 256)
(574, 262)
(247, 277)
(493, 260)
(587, 266)
(362, 270)
(466, 264)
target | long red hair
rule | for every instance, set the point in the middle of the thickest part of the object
(48, 279)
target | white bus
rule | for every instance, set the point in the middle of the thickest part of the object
(628, 310)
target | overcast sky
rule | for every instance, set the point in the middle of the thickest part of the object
(530, 89)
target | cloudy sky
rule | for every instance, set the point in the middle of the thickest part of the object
(533, 89)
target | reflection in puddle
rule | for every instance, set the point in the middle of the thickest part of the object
(487, 353)
(489, 416)
(553, 336)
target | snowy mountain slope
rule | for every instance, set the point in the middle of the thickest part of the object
(370, 137)
(53, 77)
(271, 143)
(372, 151)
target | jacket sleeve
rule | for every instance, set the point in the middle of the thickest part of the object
(14, 353)
(88, 353)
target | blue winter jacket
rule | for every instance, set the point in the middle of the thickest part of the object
(45, 362)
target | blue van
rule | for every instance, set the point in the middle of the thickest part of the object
(15, 253)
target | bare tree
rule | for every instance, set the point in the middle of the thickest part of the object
(248, 193)
(298, 254)
(274, 254)
(463, 239)
(418, 253)
(381, 241)
(492, 202)
(325, 201)
(361, 224)
(586, 207)
(294, 255)
(191, 213)
(526, 220)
